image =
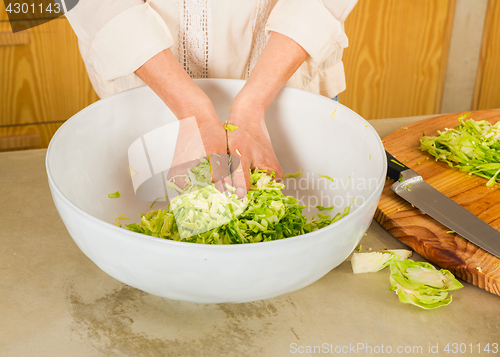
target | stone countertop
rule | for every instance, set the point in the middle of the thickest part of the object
(56, 302)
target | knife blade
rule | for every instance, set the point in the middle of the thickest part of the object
(410, 186)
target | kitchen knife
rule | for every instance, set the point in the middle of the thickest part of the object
(410, 186)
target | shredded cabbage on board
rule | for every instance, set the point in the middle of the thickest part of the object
(472, 146)
(202, 214)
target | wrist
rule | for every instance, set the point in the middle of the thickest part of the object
(165, 76)
(197, 106)
(250, 101)
(281, 57)
(247, 114)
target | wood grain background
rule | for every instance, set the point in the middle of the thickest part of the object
(43, 81)
(44, 131)
(396, 59)
(487, 93)
(3, 13)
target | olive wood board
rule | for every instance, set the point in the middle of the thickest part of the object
(421, 232)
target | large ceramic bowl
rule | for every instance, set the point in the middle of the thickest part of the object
(87, 159)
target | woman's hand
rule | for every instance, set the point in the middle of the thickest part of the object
(201, 135)
(251, 144)
(279, 60)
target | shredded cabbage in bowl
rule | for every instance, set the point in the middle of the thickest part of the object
(202, 214)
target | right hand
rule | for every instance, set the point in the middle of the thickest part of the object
(201, 138)
(201, 135)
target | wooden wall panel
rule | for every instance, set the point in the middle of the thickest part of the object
(8, 38)
(487, 92)
(46, 131)
(43, 81)
(3, 13)
(396, 59)
(20, 142)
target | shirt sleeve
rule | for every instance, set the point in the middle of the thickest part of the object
(121, 34)
(316, 25)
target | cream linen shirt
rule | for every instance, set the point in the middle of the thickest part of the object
(210, 38)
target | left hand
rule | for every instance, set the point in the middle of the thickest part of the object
(251, 144)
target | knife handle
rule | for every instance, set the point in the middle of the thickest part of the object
(394, 167)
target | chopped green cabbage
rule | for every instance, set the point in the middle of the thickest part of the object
(114, 194)
(421, 284)
(202, 214)
(375, 261)
(120, 218)
(326, 177)
(156, 199)
(321, 208)
(293, 175)
(230, 127)
(472, 146)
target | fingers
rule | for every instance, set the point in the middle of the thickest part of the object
(270, 164)
(279, 174)
(219, 164)
(276, 168)
(240, 176)
(219, 172)
(178, 173)
(202, 136)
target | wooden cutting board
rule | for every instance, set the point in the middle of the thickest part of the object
(422, 233)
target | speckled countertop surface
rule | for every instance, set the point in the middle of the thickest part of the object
(56, 302)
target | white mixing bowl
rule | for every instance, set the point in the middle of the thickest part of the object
(87, 159)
